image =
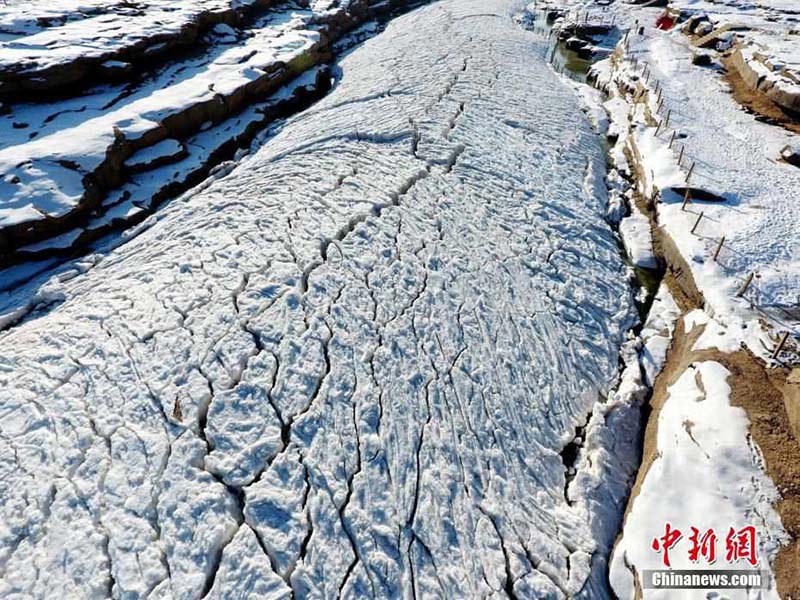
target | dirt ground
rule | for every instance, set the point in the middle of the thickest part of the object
(755, 101)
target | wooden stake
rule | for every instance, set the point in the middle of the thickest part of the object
(719, 247)
(689, 174)
(686, 199)
(696, 223)
(647, 77)
(779, 347)
(680, 156)
(669, 113)
(672, 137)
(658, 128)
(746, 285)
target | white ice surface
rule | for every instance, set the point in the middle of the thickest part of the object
(346, 369)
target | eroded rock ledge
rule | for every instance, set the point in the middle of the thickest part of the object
(80, 165)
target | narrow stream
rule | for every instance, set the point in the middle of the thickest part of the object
(576, 66)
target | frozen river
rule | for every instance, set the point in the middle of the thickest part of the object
(348, 368)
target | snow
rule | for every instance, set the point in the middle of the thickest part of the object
(349, 366)
(165, 149)
(635, 232)
(83, 36)
(657, 333)
(734, 153)
(701, 437)
(734, 159)
(62, 241)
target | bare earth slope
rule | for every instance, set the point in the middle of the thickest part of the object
(349, 367)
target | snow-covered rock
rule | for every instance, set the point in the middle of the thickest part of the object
(64, 162)
(635, 233)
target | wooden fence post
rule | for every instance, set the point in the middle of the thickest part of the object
(779, 347)
(746, 285)
(689, 174)
(719, 247)
(696, 223)
(686, 199)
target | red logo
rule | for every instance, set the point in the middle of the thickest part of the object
(740, 545)
(666, 542)
(703, 545)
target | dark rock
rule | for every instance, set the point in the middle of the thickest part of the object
(575, 44)
(552, 15)
(692, 23)
(702, 59)
(791, 155)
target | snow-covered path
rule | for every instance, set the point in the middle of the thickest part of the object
(346, 369)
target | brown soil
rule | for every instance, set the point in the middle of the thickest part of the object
(754, 100)
(759, 392)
